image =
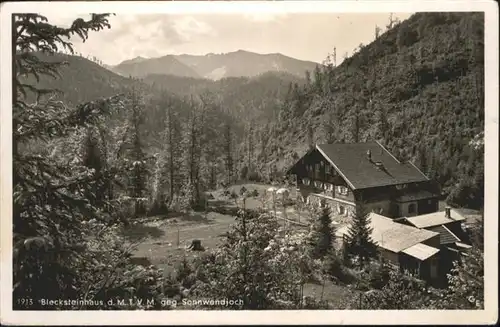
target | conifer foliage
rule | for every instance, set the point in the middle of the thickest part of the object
(322, 235)
(358, 241)
(62, 248)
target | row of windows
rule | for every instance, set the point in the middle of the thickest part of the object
(317, 167)
(327, 186)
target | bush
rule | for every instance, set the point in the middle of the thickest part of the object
(378, 275)
(334, 267)
(183, 269)
(254, 177)
(256, 265)
(158, 207)
(399, 293)
(244, 173)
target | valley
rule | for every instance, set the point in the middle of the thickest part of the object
(351, 184)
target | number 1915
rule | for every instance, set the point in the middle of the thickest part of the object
(25, 301)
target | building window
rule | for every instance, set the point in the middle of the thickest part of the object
(412, 208)
(316, 171)
(341, 210)
(342, 190)
(306, 181)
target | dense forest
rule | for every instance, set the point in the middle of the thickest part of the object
(103, 150)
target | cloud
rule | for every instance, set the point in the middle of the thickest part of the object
(189, 27)
(300, 35)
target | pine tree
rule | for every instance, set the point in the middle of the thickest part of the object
(228, 152)
(358, 241)
(172, 153)
(192, 150)
(210, 142)
(138, 170)
(250, 146)
(94, 160)
(377, 31)
(322, 235)
(310, 137)
(356, 124)
(330, 124)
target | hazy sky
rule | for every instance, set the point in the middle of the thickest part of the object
(306, 36)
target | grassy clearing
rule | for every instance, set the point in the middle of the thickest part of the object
(163, 240)
(166, 240)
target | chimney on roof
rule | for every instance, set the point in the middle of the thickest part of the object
(369, 155)
(447, 211)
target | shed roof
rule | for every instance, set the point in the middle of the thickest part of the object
(445, 235)
(421, 251)
(351, 160)
(434, 219)
(393, 236)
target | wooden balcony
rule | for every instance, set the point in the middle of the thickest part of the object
(317, 186)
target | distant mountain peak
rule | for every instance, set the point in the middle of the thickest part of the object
(133, 60)
(239, 63)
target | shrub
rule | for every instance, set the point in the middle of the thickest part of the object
(378, 275)
(254, 177)
(334, 267)
(399, 293)
(256, 265)
(244, 173)
(158, 207)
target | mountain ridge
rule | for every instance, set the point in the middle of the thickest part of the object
(240, 63)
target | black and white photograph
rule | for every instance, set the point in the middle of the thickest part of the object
(247, 157)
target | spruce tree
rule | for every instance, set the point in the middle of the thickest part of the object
(358, 240)
(322, 235)
(138, 176)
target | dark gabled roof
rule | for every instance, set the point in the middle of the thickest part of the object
(351, 160)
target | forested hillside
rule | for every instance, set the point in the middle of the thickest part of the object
(418, 89)
(81, 80)
(258, 97)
